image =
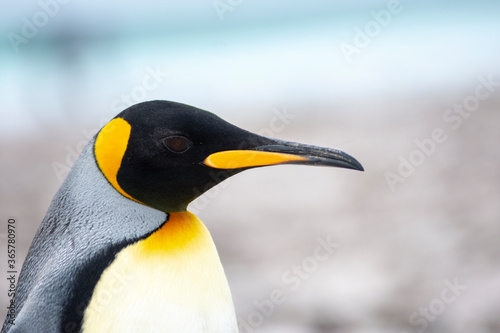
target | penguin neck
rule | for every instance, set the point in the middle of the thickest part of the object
(172, 280)
(180, 233)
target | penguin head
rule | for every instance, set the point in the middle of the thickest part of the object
(165, 154)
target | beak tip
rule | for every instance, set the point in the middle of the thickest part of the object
(358, 166)
(353, 165)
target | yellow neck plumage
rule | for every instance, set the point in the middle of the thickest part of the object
(172, 281)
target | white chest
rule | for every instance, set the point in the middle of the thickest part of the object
(172, 281)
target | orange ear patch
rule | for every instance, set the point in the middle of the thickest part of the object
(110, 146)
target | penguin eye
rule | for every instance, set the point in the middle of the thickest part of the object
(177, 143)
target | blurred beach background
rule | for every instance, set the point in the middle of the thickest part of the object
(409, 88)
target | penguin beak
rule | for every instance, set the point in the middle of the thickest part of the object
(282, 152)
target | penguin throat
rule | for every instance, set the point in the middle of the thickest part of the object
(171, 281)
(181, 230)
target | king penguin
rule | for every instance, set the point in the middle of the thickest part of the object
(117, 250)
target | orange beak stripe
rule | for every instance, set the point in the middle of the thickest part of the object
(235, 159)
